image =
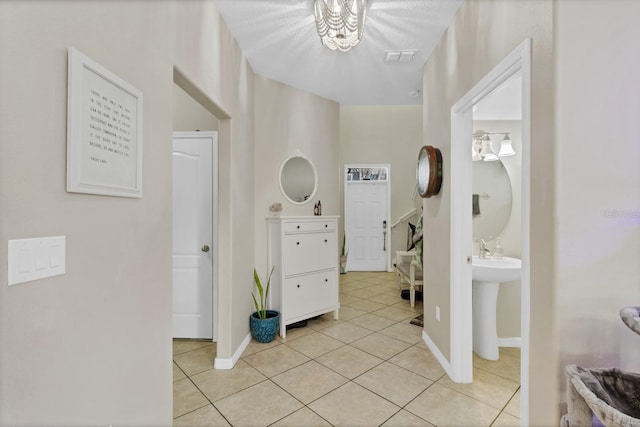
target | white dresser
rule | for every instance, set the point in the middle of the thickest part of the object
(304, 253)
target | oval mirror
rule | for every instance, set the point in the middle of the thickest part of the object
(298, 179)
(491, 199)
(429, 171)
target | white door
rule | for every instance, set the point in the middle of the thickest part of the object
(367, 223)
(193, 245)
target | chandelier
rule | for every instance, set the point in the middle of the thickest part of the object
(340, 23)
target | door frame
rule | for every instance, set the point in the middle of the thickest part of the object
(461, 363)
(214, 218)
(388, 211)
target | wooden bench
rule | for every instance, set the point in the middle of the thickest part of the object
(408, 272)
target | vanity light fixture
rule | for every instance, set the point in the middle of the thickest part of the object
(482, 146)
(506, 149)
(475, 156)
(486, 150)
(340, 23)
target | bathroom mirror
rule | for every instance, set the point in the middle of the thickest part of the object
(298, 179)
(492, 199)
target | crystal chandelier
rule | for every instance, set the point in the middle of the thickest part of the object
(340, 23)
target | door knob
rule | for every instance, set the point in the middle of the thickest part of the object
(205, 248)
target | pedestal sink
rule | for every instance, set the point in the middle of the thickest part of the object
(487, 274)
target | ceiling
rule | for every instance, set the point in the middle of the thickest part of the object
(279, 39)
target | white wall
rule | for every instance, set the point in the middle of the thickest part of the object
(289, 120)
(509, 306)
(598, 185)
(93, 346)
(479, 37)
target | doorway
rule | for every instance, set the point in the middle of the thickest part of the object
(461, 363)
(367, 197)
(195, 218)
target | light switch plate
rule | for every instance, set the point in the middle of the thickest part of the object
(33, 259)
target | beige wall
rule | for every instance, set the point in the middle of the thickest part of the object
(384, 134)
(289, 120)
(225, 77)
(598, 185)
(482, 34)
(93, 346)
(189, 115)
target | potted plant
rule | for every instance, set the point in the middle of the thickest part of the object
(343, 255)
(263, 323)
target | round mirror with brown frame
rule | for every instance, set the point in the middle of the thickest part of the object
(429, 171)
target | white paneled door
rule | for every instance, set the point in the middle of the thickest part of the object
(193, 244)
(366, 211)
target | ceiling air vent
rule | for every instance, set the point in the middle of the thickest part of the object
(399, 55)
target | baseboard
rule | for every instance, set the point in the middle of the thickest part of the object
(229, 363)
(437, 353)
(510, 342)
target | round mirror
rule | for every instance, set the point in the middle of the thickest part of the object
(298, 179)
(491, 203)
(429, 171)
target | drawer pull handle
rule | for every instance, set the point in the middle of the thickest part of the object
(325, 240)
(297, 243)
(326, 226)
(298, 227)
(326, 280)
(298, 285)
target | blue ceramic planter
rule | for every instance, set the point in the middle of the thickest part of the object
(265, 330)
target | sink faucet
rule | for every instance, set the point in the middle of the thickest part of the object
(484, 250)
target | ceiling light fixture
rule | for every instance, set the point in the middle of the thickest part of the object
(340, 23)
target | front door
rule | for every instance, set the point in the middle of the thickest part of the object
(367, 218)
(192, 234)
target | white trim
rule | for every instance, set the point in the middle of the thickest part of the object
(436, 352)
(229, 363)
(513, 342)
(404, 217)
(518, 61)
(525, 282)
(461, 301)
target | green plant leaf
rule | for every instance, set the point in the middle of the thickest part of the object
(261, 305)
(344, 244)
(255, 302)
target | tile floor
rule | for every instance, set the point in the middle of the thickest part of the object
(370, 368)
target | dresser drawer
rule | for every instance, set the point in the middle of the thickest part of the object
(304, 253)
(309, 293)
(305, 226)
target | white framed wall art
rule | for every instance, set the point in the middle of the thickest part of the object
(104, 131)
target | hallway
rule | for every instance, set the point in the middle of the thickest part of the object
(369, 368)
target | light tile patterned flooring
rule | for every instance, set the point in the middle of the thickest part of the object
(369, 368)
